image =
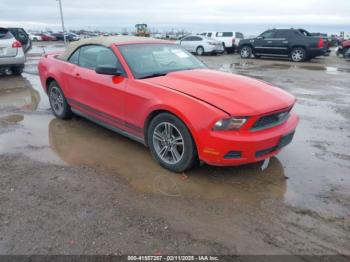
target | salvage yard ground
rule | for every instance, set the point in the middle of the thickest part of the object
(72, 187)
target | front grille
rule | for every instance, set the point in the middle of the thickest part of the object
(270, 120)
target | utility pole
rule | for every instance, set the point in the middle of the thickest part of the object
(62, 22)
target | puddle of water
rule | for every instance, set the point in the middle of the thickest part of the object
(11, 119)
(82, 143)
(281, 66)
(17, 92)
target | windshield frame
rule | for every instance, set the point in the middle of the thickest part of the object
(163, 72)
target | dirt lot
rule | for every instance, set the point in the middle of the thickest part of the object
(72, 187)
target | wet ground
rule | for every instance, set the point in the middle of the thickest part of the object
(72, 187)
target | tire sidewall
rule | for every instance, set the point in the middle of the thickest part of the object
(66, 113)
(190, 152)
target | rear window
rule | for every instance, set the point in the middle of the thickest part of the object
(5, 34)
(224, 34)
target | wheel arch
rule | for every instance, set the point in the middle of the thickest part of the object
(298, 46)
(48, 82)
(245, 44)
(201, 47)
(156, 111)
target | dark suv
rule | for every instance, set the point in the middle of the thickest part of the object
(297, 44)
(21, 35)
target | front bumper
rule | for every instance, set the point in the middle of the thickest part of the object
(230, 148)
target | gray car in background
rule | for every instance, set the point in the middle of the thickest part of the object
(201, 45)
(12, 57)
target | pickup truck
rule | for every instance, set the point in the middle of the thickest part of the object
(297, 44)
(230, 40)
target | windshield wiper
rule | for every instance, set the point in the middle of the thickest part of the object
(153, 75)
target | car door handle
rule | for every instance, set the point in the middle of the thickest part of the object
(77, 76)
(285, 42)
(269, 42)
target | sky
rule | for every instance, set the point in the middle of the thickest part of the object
(191, 15)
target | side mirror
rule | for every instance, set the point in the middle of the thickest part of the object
(107, 70)
(260, 37)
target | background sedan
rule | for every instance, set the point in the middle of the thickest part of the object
(201, 45)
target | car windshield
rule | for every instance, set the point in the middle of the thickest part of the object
(151, 60)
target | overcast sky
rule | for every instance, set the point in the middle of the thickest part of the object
(188, 14)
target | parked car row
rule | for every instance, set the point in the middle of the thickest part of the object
(297, 44)
(54, 37)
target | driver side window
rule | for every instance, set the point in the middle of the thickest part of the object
(268, 34)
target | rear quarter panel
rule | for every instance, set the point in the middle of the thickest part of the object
(51, 67)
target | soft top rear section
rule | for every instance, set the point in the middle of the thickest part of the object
(106, 41)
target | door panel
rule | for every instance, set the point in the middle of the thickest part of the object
(280, 43)
(264, 42)
(101, 96)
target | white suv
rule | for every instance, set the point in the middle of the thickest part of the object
(11, 53)
(230, 40)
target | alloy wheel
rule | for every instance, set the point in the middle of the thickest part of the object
(168, 143)
(56, 99)
(245, 52)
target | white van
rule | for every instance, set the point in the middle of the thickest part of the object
(230, 40)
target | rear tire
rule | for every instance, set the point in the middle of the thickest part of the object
(245, 51)
(298, 54)
(171, 143)
(17, 70)
(200, 51)
(58, 102)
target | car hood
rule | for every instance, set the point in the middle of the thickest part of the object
(235, 94)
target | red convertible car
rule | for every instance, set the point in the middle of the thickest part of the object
(157, 93)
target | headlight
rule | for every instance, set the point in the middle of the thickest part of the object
(233, 123)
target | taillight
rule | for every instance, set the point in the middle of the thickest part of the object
(16, 44)
(320, 43)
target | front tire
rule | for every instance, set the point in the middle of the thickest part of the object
(171, 143)
(298, 54)
(58, 102)
(246, 52)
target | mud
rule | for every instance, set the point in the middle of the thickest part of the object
(72, 187)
